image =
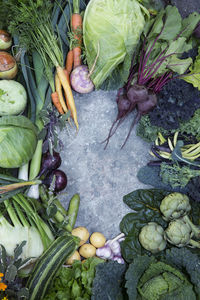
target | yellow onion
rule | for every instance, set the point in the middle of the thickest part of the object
(5, 40)
(8, 66)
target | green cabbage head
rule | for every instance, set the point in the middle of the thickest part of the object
(149, 279)
(111, 31)
(18, 139)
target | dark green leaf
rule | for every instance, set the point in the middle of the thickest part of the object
(23, 294)
(177, 155)
(51, 210)
(135, 271)
(145, 199)
(108, 281)
(18, 250)
(185, 260)
(2, 259)
(11, 273)
(42, 134)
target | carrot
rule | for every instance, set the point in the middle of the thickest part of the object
(68, 92)
(69, 61)
(77, 22)
(66, 98)
(56, 102)
(60, 94)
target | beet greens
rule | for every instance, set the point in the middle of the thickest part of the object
(160, 60)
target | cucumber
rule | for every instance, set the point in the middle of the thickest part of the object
(73, 211)
(49, 263)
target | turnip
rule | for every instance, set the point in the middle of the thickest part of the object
(80, 80)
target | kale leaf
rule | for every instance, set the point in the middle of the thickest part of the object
(177, 102)
(108, 281)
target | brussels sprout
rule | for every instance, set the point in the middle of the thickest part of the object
(152, 237)
(18, 139)
(180, 233)
(13, 98)
(175, 206)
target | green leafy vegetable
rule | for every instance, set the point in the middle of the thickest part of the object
(150, 279)
(145, 204)
(108, 281)
(176, 175)
(110, 29)
(194, 75)
(185, 260)
(10, 267)
(18, 141)
(173, 37)
(75, 282)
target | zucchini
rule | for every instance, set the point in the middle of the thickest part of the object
(49, 263)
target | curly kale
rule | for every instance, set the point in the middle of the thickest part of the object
(176, 175)
(108, 281)
(147, 131)
(192, 126)
(177, 102)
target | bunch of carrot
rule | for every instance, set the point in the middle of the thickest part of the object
(73, 60)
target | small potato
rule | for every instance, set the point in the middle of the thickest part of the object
(82, 233)
(87, 250)
(73, 257)
(97, 239)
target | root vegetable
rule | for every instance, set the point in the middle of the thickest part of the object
(5, 40)
(80, 80)
(8, 66)
(50, 162)
(71, 259)
(97, 239)
(87, 250)
(60, 180)
(82, 233)
(137, 93)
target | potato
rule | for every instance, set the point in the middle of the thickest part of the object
(97, 239)
(82, 233)
(87, 250)
(73, 257)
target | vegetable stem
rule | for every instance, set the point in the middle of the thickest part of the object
(12, 213)
(195, 230)
(194, 243)
(76, 4)
(36, 161)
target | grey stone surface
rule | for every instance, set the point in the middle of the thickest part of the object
(186, 7)
(101, 177)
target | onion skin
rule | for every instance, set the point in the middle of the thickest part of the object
(5, 40)
(80, 80)
(8, 66)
